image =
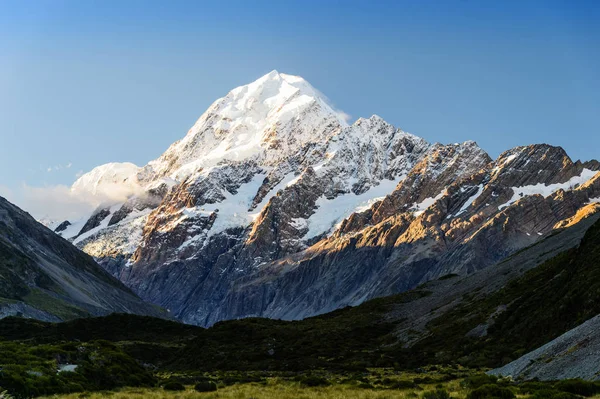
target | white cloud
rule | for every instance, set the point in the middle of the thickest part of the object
(345, 116)
(105, 185)
(59, 202)
(58, 167)
(50, 202)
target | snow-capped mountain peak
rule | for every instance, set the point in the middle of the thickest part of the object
(267, 120)
(114, 180)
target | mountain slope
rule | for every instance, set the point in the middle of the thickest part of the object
(516, 305)
(272, 205)
(45, 277)
(572, 355)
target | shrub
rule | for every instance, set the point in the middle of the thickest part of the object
(491, 391)
(553, 394)
(478, 380)
(531, 387)
(174, 386)
(578, 387)
(313, 381)
(403, 384)
(424, 380)
(437, 394)
(206, 386)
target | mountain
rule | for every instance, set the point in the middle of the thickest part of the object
(273, 206)
(43, 276)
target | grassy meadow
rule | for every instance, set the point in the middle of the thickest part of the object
(376, 384)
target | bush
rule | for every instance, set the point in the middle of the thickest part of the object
(205, 386)
(424, 380)
(479, 380)
(313, 381)
(402, 384)
(578, 387)
(437, 394)
(531, 387)
(553, 394)
(174, 386)
(491, 391)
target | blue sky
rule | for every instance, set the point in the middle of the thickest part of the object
(88, 82)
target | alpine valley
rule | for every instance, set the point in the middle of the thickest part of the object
(274, 206)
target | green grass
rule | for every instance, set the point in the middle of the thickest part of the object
(367, 386)
(278, 388)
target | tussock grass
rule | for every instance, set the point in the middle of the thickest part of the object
(278, 388)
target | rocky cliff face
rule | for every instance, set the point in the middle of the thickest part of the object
(45, 277)
(272, 205)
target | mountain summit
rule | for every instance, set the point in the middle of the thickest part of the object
(272, 205)
(267, 120)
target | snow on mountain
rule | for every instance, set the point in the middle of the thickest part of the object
(549, 189)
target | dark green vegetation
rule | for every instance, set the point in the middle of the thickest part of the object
(547, 301)
(155, 355)
(140, 347)
(32, 370)
(205, 386)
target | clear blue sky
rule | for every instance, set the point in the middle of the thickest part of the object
(88, 82)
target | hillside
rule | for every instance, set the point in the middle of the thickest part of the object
(43, 276)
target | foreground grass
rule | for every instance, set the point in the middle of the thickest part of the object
(372, 387)
(273, 389)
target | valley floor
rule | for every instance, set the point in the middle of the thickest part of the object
(376, 384)
(271, 391)
(275, 389)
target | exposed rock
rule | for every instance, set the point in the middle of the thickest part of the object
(95, 220)
(62, 226)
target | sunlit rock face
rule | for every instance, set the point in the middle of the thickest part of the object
(272, 205)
